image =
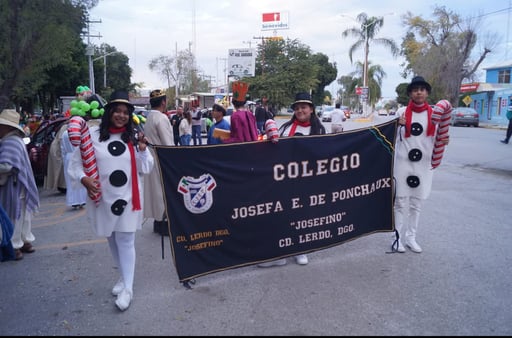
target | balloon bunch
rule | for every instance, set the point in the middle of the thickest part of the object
(82, 92)
(86, 103)
(81, 108)
(138, 119)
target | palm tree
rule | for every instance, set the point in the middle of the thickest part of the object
(370, 27)
(375, 75)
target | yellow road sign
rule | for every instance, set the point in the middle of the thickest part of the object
(467, 100)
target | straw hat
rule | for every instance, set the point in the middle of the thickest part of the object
(11, 118)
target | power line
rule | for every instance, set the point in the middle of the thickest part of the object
(495, 12)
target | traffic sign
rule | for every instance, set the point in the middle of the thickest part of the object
(467, 100)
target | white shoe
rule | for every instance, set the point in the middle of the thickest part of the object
(401, 247)
(123, 299)
(118, 287)
(277, 262)
(411, 244)
(301, 259)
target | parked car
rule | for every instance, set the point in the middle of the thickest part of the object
(326, 113)
(39, 146)
(465, 116)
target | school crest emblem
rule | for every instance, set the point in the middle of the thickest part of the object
(197, 192)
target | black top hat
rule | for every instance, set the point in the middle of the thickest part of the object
(418, 81)
(119, 96)
(302, 98)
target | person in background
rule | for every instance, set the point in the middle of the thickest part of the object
(55, 177)
(186, 128)
(158, 130)
(175, 121)
(243, 123)
(337, 117)
(7, 228)
(413, 170)
(18, 194)
(76, 195)
(262, 114)
(196, 126)
(121, 161)
(218, 113)
(509, 128)
(304, 121)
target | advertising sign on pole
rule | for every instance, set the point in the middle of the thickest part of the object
(241, 62)
(274, 21)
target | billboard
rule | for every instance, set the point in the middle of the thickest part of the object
(274, 21)
(241, 62)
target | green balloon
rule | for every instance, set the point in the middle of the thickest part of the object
(94, 104)
(74, 103)
(102, 111)
(75, 111)
(82, 113)
(95, 113)
(86, 107)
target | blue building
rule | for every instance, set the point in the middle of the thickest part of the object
(492, 97)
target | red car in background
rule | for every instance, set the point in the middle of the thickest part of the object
(39, 146)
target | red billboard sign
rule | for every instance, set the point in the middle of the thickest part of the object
(469, 87)
(268, 17)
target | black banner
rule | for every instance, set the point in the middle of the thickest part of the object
(234, 205)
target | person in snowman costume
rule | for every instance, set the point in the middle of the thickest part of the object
(121, 158)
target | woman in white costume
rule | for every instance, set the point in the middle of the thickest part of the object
(121, 160)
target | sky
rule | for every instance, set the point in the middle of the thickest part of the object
(144, 30)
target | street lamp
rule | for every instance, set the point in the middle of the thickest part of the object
(104, 56)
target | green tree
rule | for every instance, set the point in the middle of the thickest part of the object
(327, 73)
(286, 67)
(401, 92)
(118, 72)
(440, 51)
(347, 91)
(36, 47)
(375, 76)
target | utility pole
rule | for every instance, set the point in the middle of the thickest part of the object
(225, 70)
(104, 57)
(89, 52)
(177, 78)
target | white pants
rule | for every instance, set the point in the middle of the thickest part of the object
(336, 128)
(122, 247)
(407, 216)
(22, 228)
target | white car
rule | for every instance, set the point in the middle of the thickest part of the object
(326, 113)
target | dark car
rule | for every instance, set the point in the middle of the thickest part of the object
(39, 146)
(465, 116)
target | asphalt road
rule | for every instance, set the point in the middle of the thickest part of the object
(459, 285)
